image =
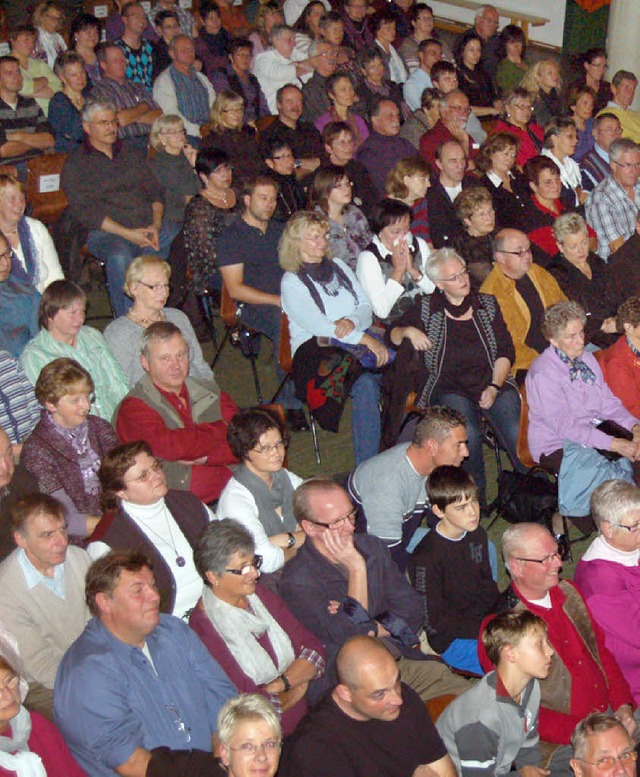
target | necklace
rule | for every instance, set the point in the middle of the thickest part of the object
(180, 560)
(145, 321)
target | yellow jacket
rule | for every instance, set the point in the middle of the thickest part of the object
(629, 121)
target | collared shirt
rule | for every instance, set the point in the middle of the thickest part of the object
(612, 213)
(414, 86)
(127, 95)
(19, 409)
(34, 577)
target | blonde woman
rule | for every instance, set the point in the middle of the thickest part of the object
(48, 18)
(228, 132)
(408, 182)
(543, 82)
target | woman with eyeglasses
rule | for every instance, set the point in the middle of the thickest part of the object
(517, 120)
(248, 629)
(142, 513)
(227, 131)
(250, 736)
(260, 493)
(64, 451)
(147, 283)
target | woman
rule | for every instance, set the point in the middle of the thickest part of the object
(269, 14)
(594, 62)
(508, 187)
(332, 31)
(38, 79)
(474, 208)
(560, 141)
(147, 283)
(375, 84)
(581, 102)
(307, 28)
(620, 363)
(543, 81)
(331, 194)
(518, 121)
(512, 65)
(323, 299)
(584, 278)
(383, 27)
(212, 42)
(19, 302)
(342, 97)
(206, 215)
(422, 119)
(143, 514)
(229, 133)
(466, 353)
(65, 110)
(422, 23)
(472, 79)
(568, 401)
(250, 736)
(253, 636)
(48, 18)
(30, 745)
(64, 451)
(85, 36)
(172, 160)
(408, 181)
(391, 269)
(259, 495)
(35, 260)
(62, 333)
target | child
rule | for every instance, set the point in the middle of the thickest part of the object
(450, 569)
(495, 724)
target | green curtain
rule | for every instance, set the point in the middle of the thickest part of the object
(582, 30)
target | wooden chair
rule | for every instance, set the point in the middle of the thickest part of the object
(524, 454)
(45, 195)
(262, 124)
(9, 170)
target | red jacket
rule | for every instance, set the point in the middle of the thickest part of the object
(621, 370)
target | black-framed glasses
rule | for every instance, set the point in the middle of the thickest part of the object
(521, 252)
(608, 762)
(544, 561)
(631, 529)
(155, 286)
(350, 516)
(8, 254)
(255, 563)
(456, 276)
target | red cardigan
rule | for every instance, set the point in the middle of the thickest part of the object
(621, 370)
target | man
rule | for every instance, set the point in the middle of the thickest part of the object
(136, 109)
(340, 585)
(42, 590)
(524, 290)
(113, 195)
(450, 165)
(183, 420)
(609, 571)
(370, 724)
(602, 745)
(15, 482)
(138, 52)
(182, 91)
(280, 65)
(184, 16)
(429, 52)
(485, 26)
(612, 208)
(303, 138)
(340, 146)
(595, 165)
(445, 78)
(24, 129)
(168, 27)
(314, 93)
(390, 488)
(137, 693)
(383, 148)
(357, 33)
(237, 77)
(623, 89)
(584, 676)
(454, 111)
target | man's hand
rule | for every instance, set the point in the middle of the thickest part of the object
(145, 237)
(343, 550)
(488, 397)
(630, 449)
(418, 339)
(380, 351)
(625, 716)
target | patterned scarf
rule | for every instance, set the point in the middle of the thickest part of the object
(88, 459)
(577, 368)
(193, 100)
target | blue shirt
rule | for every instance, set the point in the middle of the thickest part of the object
(34, 577)
(110, 700)
(414, 86)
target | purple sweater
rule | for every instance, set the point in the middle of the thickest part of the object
(561, 409)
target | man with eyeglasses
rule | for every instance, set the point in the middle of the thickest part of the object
(315, 101)
(342, 584)
(612, 209)
(602, 746)
(608, 574)
(451, 126)
(138, 694)
(584, 675)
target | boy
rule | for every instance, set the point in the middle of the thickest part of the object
(450, 569)
(495, 724)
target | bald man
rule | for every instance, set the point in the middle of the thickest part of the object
(371, 723)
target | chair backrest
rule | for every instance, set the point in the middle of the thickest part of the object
(285, 360)
(524, 454)
(262, 124)
(279, 411)
(227, 307)
(44, 191)
(9, 170)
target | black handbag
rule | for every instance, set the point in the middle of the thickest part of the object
(530, 497)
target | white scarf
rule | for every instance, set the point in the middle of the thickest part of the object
(570, 174)
(23, 763)
(240, 630)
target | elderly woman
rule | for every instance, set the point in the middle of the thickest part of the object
(65, 449)
(35, 259)
(259, 495)
(517, 120)
(508, 186)
(19, 302)
(466, 353)
(560, 141)
(62, 333)
(323, 299)
(250, 736)
(576, 423)
(143, 514)
(474, 208)
(253, 636)
(85, 36)
(147, 283)
(512, 65)
(48, 18)
(620, 363)
(331, 194)
(342, 97)
(391, 269)
(38, 79)
(584, 278)
(424, 118)
(65, 109)
(30, 745)
(543, 81)
(375, 84)
(408, 181)
(229, 133)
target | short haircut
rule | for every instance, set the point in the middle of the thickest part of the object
(440, 68)
(83, 21)
(558, 316)
(223, 101)
(247, 427)
(102, 49)
(535, 166)
(386, 212)
(601, 117)
(448, 485)
(519, 93)
(103, 575)
(511, 33)
(246, 707)
(95, 104)
(65, 59)
(469, 200)
(325, 179)
(42, 7)
(593, 53)
(612, 500)
(250, 184)
(333, 80)
(443, 144)
(208, 8)
(595, 723)
(237, 44)
(509, 628)
(60, 377)
(367, 55)
(179, 37)
(386, 16)
(277, 31)
(499, 141)
(415, 11)
(377, 103)
(444, 99)
(6, 179)
(162, 16)
(332, 17)
(209, 159)
(159, 331)
(160, 125)
(437, 259)
(21, 29)
(409, 166)
(6, 58)
(437, 423)
(556, 126)
(333, 129)
(218, 543)
(114, 467)
(628, 313)
(270, 146)
(622, 146)
(568, 224)
(283, 89)
(513, 540)
(126, 8)
(348, 669)
(136, 269)
(289, 246)
(623, 75)
(32, 505)
(315, 485)
(58, 296)
(577, 91)
(424, 44)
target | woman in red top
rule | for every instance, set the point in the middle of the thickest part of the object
(517, 120)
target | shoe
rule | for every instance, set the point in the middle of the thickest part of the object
(297, 421)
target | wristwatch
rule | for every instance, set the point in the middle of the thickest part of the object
(297, 164)
(292, 540)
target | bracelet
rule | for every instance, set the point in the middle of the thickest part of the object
(286, 683)
(495, 386)
(292, 540)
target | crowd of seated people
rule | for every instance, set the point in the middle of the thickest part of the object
(445, 232)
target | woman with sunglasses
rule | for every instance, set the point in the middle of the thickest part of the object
(248, 629)
(143, 514)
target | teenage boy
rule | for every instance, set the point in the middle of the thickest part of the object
(450, 569)
(494, 725)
